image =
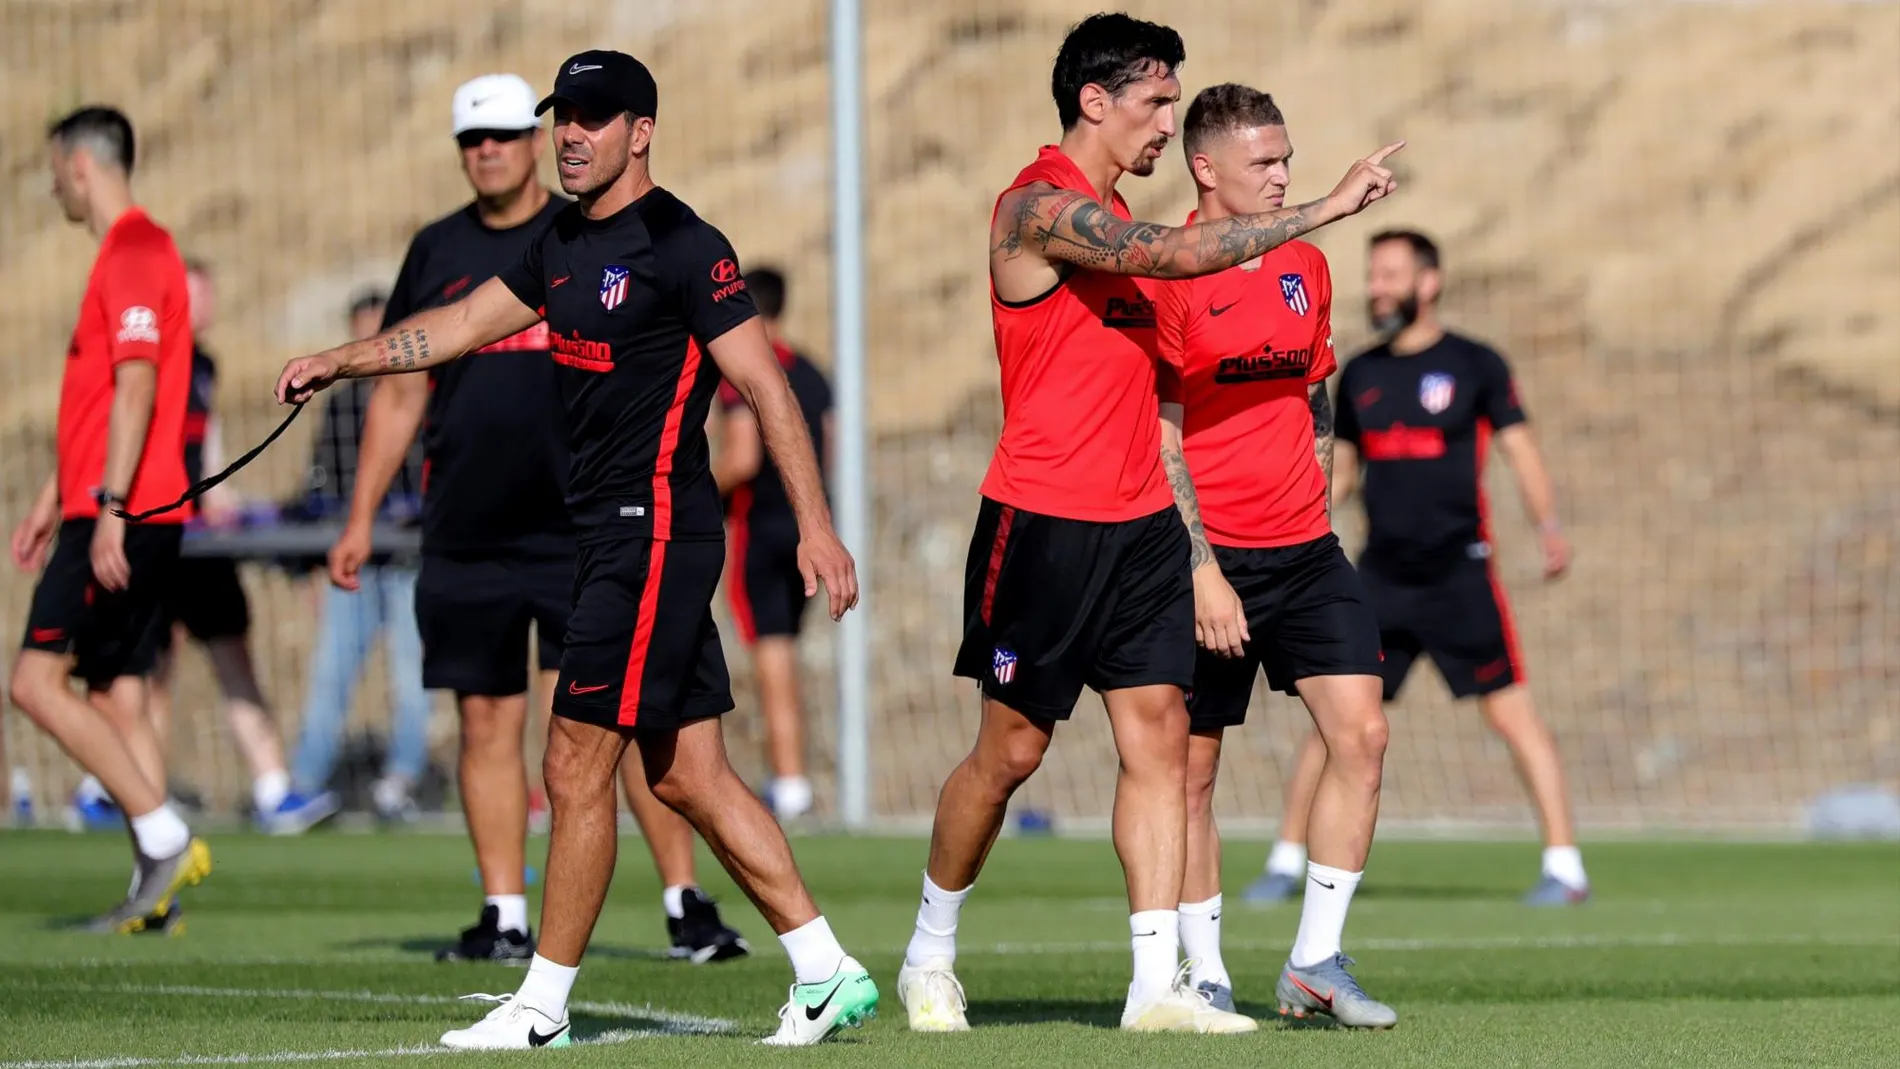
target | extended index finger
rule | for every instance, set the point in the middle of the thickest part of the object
(1379, 156)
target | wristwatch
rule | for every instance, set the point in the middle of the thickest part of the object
(106, 499)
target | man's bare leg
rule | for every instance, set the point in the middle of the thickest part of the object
(1512, 715)
(579, 770)
(158, 699)
(775, 664)
(1200, 882)
(493, 782)
(1150, 827)
(1285, 873)
(252, 728)
(123, 704)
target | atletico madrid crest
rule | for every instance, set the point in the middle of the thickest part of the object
(1004, 665)
(1435, 391)
(613, 286)
(1293, 288)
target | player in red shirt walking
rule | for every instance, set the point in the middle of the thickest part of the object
(1078, 571)
(121, 445)
(1244, 410)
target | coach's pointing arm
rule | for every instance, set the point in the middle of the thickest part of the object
(1060, 225)
(488, 314)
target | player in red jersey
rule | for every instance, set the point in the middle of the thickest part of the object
(1245, 412)
(1078, 571)
(121, 445)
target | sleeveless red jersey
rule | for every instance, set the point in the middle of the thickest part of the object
(1081, 433)
(135, 308)
(1241, 349)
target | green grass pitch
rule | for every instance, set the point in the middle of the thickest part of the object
(317, 950)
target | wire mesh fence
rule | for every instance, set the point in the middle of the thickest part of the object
(1680, 221)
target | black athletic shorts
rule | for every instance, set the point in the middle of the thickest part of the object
(1457, 615)
(762, 581)
(1307, 615)
(474, 613)
(205, 594)
(1052, 605)
(111, 634)
(642, 649)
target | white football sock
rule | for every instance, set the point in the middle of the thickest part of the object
(1323, 914)
(160, 833)
(814, 951)
(1200, 942)
(269, 790)
(547, 986)
(791, 795)
(513, 910)
(91, 790)
(1156, 936)
(1287, 859)
(935, 937)
(674, 899)
(1565, 863)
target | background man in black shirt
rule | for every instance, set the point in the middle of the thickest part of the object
(497, 544)
(762, 580)
(637, 291)
(1417, 415)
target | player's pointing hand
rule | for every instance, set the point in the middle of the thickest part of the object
(303, 377)
(1368, 180)
(822, 558)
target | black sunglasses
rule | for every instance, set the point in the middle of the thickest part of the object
(474, 138)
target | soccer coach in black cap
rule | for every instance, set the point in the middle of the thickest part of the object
(638, 292)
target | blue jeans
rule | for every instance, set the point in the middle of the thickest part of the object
(387, 603)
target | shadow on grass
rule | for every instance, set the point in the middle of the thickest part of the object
(428, 945)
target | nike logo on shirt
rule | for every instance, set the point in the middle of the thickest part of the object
(558, 281)
(1214, 311)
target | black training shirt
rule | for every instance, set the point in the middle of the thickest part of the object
(494, 441)
(631, 302)
(1421, 424)
(762, 500)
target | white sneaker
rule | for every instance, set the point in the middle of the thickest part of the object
(511, 1025)
(933, 997)
(1219, 995)
(1183, 1009)
(815, 1012)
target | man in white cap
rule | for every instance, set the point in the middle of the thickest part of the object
(497, 543)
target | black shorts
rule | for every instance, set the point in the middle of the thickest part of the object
(1052, 605)
(111, 634)
(474, 613)
(205, 594)
(762, 581)
(1456, 615)
(1307, 615)
(642, 649)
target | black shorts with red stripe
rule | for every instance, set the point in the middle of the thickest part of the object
(110, 634)
(762, 582)
(474, 611)
(642, 650)
(1052, 605)
(206, 595)
(1455, 613)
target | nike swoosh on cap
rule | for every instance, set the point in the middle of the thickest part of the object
(576, 68)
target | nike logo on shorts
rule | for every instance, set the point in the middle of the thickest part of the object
(575, 687)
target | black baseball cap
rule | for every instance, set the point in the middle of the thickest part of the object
(602, 83)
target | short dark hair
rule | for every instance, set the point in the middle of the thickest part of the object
(1113, 51)
(1424, 249)
(105, 132)
(767, 287)
(368, 300)
(1221, 109)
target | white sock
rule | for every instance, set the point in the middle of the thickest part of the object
(269, 790)
(1287, 859)
(160, 833)
(514, 912)
(791, 795)
(1565, 863)
(547, 985)
(90, 790)
(814, 951)
(674, 899)
(1200, 942)
(935, 937)
(1323, 915)
(1157, 942)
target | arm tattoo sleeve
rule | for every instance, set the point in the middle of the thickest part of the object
(1322, 407)
(1077, 229)
(404, 348)
(1188, 504)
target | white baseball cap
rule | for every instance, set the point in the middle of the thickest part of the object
(495, 102)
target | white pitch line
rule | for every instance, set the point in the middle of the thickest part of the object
(1549, 942)
(665, 1022)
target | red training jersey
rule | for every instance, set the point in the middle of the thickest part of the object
(1241, 349)
(1081, 433)
(135, 308)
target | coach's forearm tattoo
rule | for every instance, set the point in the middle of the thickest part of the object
(1322, 407)
(403, 349)
(1187, 504)
(1077, 229)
